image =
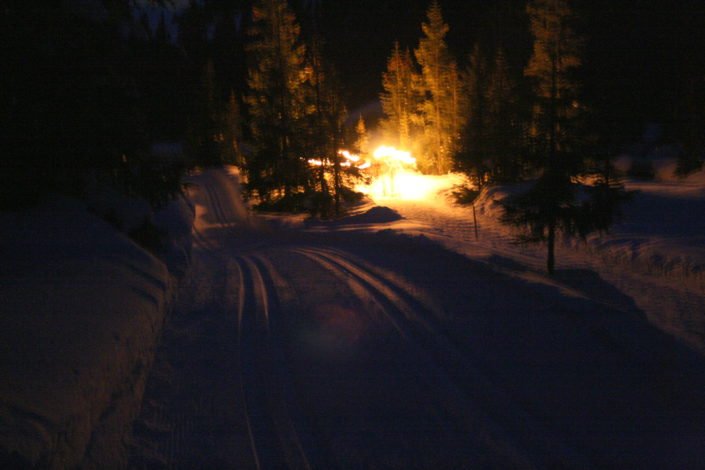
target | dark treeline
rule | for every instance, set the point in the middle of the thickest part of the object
(92, 85)
(84, 92)
(89, 88)
(641, 59)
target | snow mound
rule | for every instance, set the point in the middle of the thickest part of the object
(176, 222)
(375, 215)
(82, 307)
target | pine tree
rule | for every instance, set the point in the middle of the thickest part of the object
(400, 98)
(362, 141)
(474, 159)
(552, 205)
(276, 101)
(552, 66)
(441, 108)
(503, 122)
(324, 129)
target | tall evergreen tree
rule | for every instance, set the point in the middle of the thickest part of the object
(362, 140)
(553, 204)
(441, 108)
(550, 205)
(276, 100)
(400, 98)
(324, 129)
(552, 66)
(474, 159)
(504, 126)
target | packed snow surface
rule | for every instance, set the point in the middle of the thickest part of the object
(402, 337)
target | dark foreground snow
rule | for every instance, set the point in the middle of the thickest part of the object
(368, 344)
(81, 308)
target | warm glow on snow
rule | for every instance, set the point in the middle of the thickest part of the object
(397, 178)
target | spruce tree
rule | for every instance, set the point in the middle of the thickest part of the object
(441, 108)
(552, 66)
(474, 159)
(400, 98)
(276, 102)
(324, 129)
(362, 140)
(552, 205)
(503, 122)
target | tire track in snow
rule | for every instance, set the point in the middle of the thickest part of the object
(510, 426)
(273, 438)
(265, 383)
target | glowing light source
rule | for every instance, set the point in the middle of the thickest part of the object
(397, 178)
(392, 174)
(349, 160)
(391, 156)
(349, 156)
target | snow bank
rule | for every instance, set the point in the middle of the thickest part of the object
(176, 222)
(82, 307)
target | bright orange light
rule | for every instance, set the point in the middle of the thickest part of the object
(398, 178)
(393, 175)
(349, 160)
(392, 156)
(349, 156)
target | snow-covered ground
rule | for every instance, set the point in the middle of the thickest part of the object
(655, 255)
(394, 338)
(81, 311)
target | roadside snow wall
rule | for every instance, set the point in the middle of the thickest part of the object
(81, 309)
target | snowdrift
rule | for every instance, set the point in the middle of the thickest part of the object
(80, 313)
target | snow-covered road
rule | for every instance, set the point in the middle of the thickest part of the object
(363, 343)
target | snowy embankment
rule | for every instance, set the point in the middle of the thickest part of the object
(81, 310)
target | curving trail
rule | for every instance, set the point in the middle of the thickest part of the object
(350, 349)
